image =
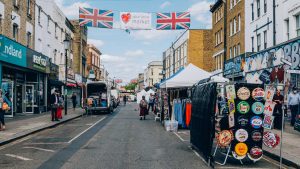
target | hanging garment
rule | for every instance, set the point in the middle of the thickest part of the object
(184, 114)
(178, 112)
(188, 113)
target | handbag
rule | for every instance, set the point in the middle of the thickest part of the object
(5, 106)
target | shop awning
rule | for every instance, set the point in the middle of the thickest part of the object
(190, 76)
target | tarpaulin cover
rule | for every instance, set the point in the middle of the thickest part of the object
(202, 123)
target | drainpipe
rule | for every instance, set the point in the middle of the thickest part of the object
(225, 33)
(274, 23)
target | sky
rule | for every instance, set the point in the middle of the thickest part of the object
(125, 54)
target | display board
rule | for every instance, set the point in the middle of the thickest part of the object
(248, 121)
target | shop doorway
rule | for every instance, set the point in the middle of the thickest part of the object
(29, 98)
(19, 98)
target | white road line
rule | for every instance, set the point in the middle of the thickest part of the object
(239, 167)
(45, 143)
(42, 149)
(180, 137)
(86, 130)
(16, 142)
(18, 157)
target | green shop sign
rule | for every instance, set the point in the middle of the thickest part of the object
(12, 52)
(37, 61)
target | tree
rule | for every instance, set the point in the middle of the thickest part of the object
(131, 86)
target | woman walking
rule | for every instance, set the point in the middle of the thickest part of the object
(143, 108)
(4, 106)
(60, 106)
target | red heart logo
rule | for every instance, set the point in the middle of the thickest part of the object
(126, 17)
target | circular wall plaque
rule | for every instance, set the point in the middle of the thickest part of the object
(243, 107)
(256, 122)
(241, 135)
(243, 93)
(258, 94)
(257, 108)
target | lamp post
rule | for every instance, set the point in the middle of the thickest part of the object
(67, 47)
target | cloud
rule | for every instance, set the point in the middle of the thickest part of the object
(112, 59)
(165, 4)
(96, 42)
(201, 11)
(71, 10)
(135, 53)
(151, 34)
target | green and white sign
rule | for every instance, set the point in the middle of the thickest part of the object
(12, 52)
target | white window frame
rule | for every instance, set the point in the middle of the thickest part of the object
(28, 39)
(239, 22)
(297, 25)
(28, 8)
(287, 24)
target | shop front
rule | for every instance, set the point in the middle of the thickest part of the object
(23, 78)
(53, 80)
(72, 88)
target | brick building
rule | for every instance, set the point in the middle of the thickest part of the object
(193, 46)
(219, 33)
(93, 61)
(17, 21)
(80, 50)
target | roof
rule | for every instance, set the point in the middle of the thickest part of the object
(216, 5)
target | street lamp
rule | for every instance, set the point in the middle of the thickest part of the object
(67, 47)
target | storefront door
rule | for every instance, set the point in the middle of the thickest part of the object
(29, 98)
(19, 98)
(8, 90)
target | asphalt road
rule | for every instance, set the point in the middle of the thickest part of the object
(116, 141)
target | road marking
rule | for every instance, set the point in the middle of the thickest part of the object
(15, 142)
(45, 143)
(180, 137)
(18, 157)
(240, 167)
(42, 149)
(86, 130)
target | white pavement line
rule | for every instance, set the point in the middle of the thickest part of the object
(86, 130)
(16, 142)
(273, 162)
(45, 143)
(18, 157)
(42, 149)
(180, 137)
(197, 154)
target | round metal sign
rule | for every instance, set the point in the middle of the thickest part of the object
(256, 136)
(237, 156)
(224, 138)
(241, 149)
(258, 94)
(243, 93)
(243, 121)
(243, 107)
(255, 153)
(270, 139)
(256, 122)
(241, 135)
(257, 108)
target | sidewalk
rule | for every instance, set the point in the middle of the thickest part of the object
(18, 128)
(290, 146)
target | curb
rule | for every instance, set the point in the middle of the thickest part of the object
(284, 160)
(36, 130)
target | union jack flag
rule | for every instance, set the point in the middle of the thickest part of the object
(173, 21)
(96, 18)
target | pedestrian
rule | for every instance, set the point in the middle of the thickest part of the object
(54, 105)
(278, 99)
(143, 108)
(124, 99)
(74, 100)
(60, 106)
(5, 105)
(151, 103)
(293, 102)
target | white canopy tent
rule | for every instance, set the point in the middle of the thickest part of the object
(190, 76)
(140, 95)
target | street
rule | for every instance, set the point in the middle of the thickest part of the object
(119, 140)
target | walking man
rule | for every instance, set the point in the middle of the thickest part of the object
(293, 102)
(54, 105)
(151, 103)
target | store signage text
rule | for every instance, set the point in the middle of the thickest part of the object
(39, 60)
(10, 50)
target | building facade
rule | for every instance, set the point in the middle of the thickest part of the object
(140, 85)
(153, 73)
(235, 28)
(193, 46)
(218, 11)
(93, 61)
(259, 21)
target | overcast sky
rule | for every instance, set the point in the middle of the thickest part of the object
(124, 54)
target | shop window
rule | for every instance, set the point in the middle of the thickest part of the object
(15, 32)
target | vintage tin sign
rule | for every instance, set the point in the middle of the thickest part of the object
(231, 106)
(270, 139)
(224, 138)
(243, 107)
(257, 108)
(255, 153)
(256, 122)
(258, 94)
(256, 136)
(268, 122)
(241, 135)
(241, 149)
(243, 93)
(243, 121)
(230, 92)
